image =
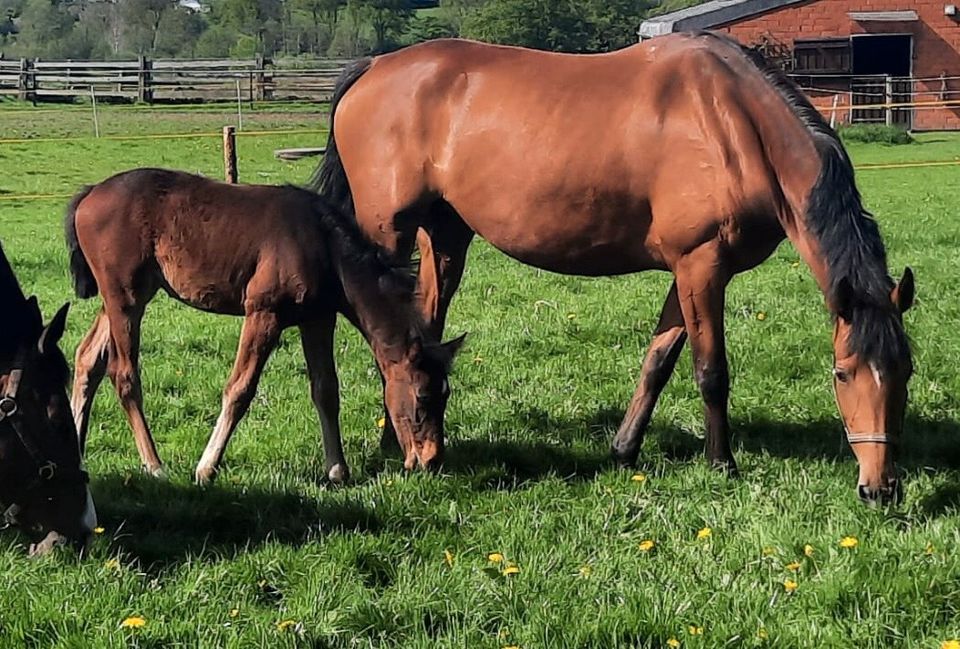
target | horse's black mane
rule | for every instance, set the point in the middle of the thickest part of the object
(847, 233)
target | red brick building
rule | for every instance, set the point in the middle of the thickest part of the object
(849, 53)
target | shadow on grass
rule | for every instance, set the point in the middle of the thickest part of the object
(160, 522)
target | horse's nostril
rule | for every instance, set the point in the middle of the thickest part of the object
(867, 494)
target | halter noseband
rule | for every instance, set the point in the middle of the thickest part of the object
(47, 469)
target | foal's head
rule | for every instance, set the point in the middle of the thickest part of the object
(872, 365)
(416, 392)
(43, 487)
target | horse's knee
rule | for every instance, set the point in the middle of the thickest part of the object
(124, 380)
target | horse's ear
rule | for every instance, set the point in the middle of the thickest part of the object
(902, 294)
(842, 298)
(452, 347)
(53, 332)
(33, 313)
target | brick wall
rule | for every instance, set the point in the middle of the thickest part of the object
(936, 42)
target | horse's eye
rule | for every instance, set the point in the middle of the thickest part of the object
(840, 375)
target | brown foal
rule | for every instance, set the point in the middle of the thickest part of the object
(685, 154)
(279, 257)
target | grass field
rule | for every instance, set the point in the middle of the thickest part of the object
(269, 556)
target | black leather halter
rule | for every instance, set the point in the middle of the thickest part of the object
(47, 471)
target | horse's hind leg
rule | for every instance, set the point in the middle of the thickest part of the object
(90, 365)
(317, 340)
(123, 366)
(702, 290)
(260, 333)
(658, 365)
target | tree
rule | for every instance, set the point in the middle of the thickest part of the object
(388, 19)
(324, 14)
(542, 24)
(254, 18)
(43, 27)
(142, 20)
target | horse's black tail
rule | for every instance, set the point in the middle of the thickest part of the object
(330, 178)
(84, 283)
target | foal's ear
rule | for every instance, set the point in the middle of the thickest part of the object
(902, 293)
(53, 332)
(33, 313)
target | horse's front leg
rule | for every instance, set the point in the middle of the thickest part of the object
(657, 367)
(701, 289)
(258, 337)
(317, 340)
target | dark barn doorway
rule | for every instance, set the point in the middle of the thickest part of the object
(888, 54)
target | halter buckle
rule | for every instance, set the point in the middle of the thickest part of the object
(48, 470)
(8, 407)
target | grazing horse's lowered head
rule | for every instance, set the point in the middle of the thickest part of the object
(43, 487)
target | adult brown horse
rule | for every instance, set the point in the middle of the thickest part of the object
(687, 154)
(279, 257)
(43, 486)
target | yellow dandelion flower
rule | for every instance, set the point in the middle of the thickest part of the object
(693, 629)
(793, 566)
(808, 550)
(705, 533)
(381, 422)
(789, 585)
(762, 633)
(646, 546)
(495, 557)
(950, 644)
(234, 612)
(849, 542)
(795, 264)
(768, 550)
(448, 557)
(98, 530)
(639, 477)
(133, 622)
(585, 571)
(511, 646)
(929, 551)
(512, 569)
(761, 316)
(111, 564)
(477, 360)
(571, 316)
(673, 643)
(285, 625)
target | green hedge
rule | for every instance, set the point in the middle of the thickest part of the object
(879, 133)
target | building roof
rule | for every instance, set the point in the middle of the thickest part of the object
(709, 14)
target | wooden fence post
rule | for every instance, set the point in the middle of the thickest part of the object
(230, 154)
(23, 81)
(144, 88)
(259, 78)
(888, 100)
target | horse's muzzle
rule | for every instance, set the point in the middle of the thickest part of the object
(891, 494)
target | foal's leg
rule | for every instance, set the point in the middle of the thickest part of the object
(259, 336)
(124, 370)
(317, 340)
(658, 365)
(702, 291)
(90, 365)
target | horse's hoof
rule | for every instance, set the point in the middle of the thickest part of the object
(338, 474)
(624, 459)
(204, 475)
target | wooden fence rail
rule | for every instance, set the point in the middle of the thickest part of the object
(162, 80)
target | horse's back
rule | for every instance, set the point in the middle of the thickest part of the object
(218, 247)
(593, 164)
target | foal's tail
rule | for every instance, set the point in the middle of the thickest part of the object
(330, 178)
(84, 283)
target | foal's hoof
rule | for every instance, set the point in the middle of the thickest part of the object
(205, 475)
(157, 472)
(338, 474)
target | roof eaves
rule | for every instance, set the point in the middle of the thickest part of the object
(709, 14)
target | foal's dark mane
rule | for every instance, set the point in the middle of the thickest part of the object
(847, 233)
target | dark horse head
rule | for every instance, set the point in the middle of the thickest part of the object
(43, 487)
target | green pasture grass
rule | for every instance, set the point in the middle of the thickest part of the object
(270, 556)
